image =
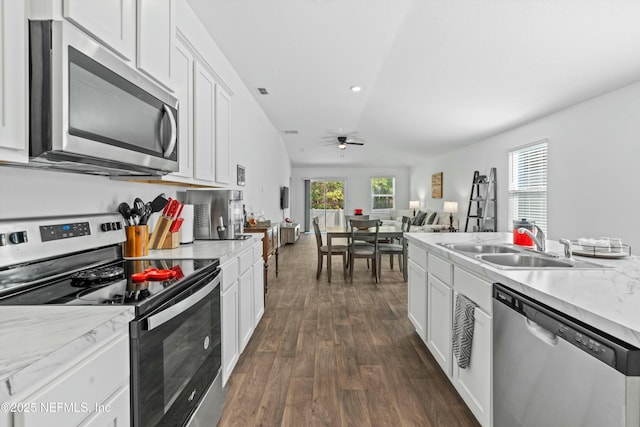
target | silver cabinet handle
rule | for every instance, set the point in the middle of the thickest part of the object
(176, 309)
(174, 134)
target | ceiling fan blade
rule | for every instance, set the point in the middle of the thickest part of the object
(354, 143)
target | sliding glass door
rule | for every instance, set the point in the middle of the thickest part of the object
(326, 199)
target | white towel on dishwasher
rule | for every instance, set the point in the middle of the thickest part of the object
(462, 337)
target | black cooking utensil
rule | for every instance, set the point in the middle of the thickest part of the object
(125, 211)
(158, 203)
(144, 218)
(138, 210)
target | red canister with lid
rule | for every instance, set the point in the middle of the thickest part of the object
(522, 239)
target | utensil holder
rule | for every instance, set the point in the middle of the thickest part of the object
(137, 243)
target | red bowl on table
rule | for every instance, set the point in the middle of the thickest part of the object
(358, 211)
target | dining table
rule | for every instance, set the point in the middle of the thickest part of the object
(384, 232)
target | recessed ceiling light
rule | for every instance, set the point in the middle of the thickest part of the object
(290, 132)
(263, 91)
(356, 88)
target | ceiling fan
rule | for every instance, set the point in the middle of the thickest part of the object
(344, 140)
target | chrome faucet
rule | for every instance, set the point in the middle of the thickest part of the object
(567, 248)
(539, 238)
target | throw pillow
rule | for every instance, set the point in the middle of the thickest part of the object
(432, 218)
(419, 218)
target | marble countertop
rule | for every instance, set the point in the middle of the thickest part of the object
(203, 249)
(607, 299)
(35, 341)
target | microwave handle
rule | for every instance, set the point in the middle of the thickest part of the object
(174, 135)
(164, 316)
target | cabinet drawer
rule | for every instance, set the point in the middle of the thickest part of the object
(418, 255)
(84, 386)
(229, 273)
(474, 288)
(440, 268)
(246, 260)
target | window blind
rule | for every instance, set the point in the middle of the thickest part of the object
(528, 184)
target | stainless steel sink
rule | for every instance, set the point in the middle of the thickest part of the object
(482, 249)
(527, 261)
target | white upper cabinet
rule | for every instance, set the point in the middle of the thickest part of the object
(183, 64)
(13, 82)
(156, 39)
(223, 116)
(204, 123)
(112, 22)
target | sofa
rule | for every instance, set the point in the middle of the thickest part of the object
(429, 223)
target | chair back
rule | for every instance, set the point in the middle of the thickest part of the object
(348, 218)
(359, 226)
(316, 230)
(406, 224)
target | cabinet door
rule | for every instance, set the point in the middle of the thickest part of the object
(417, 305)
(474, 382)
(203, 123)
(115, 411)
(156, 38)
(112, 22)
(258, 291)
(230, 333)
(13, 81)
(223, 117)
(439, 321)
(245, 301)
(183, 81)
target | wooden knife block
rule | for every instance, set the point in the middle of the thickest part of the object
(171, 241)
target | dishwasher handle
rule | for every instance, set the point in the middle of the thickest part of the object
(541, 332)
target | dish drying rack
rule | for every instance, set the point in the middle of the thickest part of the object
(600, 251)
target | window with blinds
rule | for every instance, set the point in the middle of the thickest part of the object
(528, 184)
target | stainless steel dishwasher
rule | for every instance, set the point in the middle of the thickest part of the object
(551, 370)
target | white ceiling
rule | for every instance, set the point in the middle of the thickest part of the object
(436, 74)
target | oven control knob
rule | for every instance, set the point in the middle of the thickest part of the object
(3, 239)
(207, 341)
(18, 237)
(116, 226)
(106, 226)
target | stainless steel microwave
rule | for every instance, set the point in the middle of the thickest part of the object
(91, 112)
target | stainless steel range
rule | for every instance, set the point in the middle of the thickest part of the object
(175, 336)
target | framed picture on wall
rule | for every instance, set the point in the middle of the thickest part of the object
(241, 175)
(436, 185)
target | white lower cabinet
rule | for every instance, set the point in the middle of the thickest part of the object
(230, 348)
(474, 382)
(432, 296)
(439, 321)
(242, 309)
(92, 392)
(245, 297)
(417, 301)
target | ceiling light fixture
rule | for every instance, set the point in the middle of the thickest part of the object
(263, 91)
(356, 88)
(342, 146)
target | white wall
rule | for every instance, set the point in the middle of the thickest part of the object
(255, 144)
(357, 186)
(593, 175)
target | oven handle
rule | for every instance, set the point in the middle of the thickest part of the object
(175, 310)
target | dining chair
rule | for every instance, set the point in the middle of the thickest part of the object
(347, 228)
(361, 245)
(324, 250)
(392, 249)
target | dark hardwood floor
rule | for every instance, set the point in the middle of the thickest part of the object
(338, 354)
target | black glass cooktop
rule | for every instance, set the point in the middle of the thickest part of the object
(120, 282)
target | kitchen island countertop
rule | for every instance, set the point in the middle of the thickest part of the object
(607, 298)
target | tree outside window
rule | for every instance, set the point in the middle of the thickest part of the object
(382, 193)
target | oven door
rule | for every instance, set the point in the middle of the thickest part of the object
(176, 355)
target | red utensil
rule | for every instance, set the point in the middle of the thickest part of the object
(177, 222)
(153, 274)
